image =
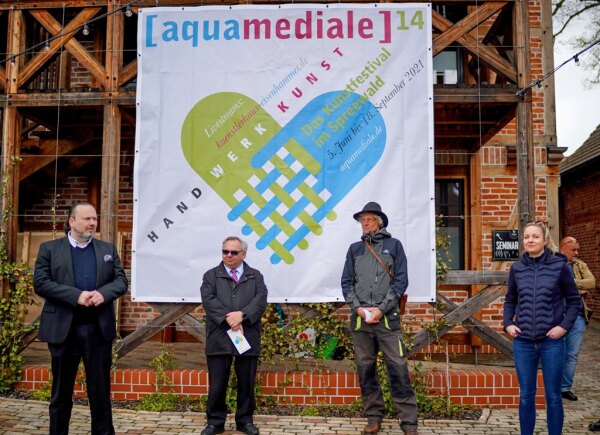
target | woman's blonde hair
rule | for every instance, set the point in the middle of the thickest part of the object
(546, 233)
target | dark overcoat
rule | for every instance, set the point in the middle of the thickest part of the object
(220, 295)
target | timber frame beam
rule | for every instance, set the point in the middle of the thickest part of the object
(464, 314)
(462, 32)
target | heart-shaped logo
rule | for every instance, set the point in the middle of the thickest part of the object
(283, 181)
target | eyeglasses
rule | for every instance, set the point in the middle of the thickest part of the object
(227, 252)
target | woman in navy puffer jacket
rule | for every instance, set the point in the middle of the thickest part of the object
(535, 315)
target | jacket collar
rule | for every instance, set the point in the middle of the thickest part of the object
(546, 258)
(222, 271)
(376, 236)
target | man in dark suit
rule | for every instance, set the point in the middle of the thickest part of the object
(79, 277)
(234, 297)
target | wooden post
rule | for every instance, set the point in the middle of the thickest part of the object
(114, 48)
(111, 143)
(548, 65)
(476, 227)
(550, 119)
(525, 150)
(11, 139)
(111, 149)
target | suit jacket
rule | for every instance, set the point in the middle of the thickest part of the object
(54, 281)
(220, 295)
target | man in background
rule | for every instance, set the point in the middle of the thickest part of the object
(585, 282)
(79, 277)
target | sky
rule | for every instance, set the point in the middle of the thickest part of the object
(577, 107)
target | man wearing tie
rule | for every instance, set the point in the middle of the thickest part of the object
(79, 277)
(234, 296)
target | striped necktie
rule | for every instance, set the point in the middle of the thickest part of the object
(234, 275)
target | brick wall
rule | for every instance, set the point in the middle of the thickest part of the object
(53, 204)
(497, 389)
(580, 211)
(51, 210)
(80, 76)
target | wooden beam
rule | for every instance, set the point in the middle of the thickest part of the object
(169, 313)
(11, 146)
(500, 124)
(475, 277)
(44, 56)
(63, 99)
(473, 45)
(478, 328)
(475, 225)
(72, 45)
(2, 77)
(114, 46)
(477, 95)
(465, 25)
(9, 204)
(128, 73)
(50, 149)
(194, 327)
(525, 154)
(111, 150)
(549, 83)
(457, 316)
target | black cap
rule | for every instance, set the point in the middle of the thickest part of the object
(372, 207)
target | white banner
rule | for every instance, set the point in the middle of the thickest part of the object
(276, 124)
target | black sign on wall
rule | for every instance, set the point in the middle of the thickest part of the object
(505, 245)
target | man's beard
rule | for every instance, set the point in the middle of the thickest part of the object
(85, 235)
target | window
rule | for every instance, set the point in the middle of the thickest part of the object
(448, 64)
(449, 204)
(447, 67)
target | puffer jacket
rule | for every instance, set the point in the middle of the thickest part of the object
(366, 284)
(220, 296)
(541, 295)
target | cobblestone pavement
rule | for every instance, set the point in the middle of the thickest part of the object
(31, 417)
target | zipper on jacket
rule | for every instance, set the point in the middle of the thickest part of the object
(534, 313)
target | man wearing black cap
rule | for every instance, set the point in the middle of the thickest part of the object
(373, 281)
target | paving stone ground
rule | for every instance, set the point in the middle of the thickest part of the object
(31, 417)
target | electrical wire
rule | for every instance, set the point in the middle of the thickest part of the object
(538, 82)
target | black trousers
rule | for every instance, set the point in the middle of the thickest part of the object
(219, 368)
(83, 342)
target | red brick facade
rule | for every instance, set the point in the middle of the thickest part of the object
(580, 211)
(499, 389)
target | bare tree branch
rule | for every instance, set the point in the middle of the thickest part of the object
(567, 14)
(573, 16)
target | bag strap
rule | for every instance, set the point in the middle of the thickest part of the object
(404, 298)
(380, 261)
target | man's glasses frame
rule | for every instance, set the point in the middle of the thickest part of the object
(227, 252)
